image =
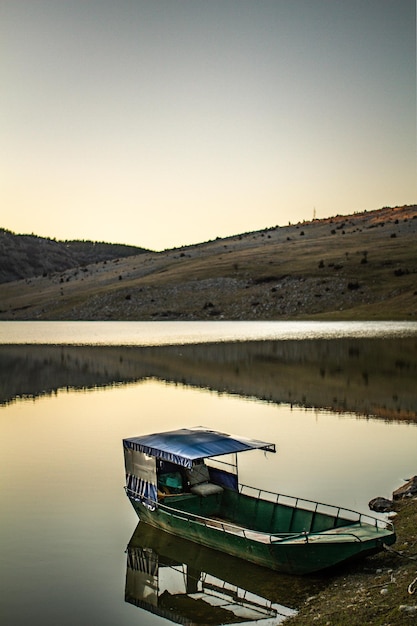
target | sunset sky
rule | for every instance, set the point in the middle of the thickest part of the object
(161, 123)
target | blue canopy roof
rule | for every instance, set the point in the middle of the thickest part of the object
(188, 445)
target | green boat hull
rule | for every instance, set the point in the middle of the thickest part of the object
(284, 538)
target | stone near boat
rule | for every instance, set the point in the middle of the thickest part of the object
(407, 490)
(381, 505)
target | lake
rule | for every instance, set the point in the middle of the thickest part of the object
(338, 399)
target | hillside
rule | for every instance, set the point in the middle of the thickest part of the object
(26, 256)
(362, 266)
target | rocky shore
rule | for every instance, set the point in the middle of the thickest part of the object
(380, 590)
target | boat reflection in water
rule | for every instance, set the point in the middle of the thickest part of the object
(193, 585)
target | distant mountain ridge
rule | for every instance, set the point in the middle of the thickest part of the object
(26, 256)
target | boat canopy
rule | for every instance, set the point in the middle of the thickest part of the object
(189, 446)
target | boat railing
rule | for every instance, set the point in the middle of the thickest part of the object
(267, 537)
(316, 507)
(211, 522)
(255, 535)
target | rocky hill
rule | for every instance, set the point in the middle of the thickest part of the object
(361, 266)
(26, 256)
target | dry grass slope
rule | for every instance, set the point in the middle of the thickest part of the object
(362, 266)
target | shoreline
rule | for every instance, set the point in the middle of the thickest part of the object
(380, 590)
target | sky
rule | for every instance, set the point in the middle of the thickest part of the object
(162, 123)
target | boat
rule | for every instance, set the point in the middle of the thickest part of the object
(185, 482)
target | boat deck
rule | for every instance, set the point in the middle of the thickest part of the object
(358, 532)
(250, 517)
(240, 531)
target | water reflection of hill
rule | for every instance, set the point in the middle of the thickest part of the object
(363, 376)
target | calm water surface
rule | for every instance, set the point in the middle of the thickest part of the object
(66, 522)
(159, 333)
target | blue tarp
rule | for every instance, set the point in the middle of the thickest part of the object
(188, 445)
(145, 491)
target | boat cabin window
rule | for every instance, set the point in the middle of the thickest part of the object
(140, 465)
(175, 479)
(170, 478)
